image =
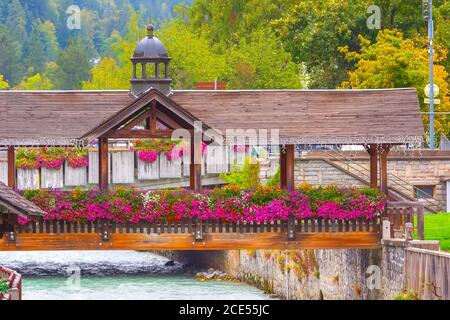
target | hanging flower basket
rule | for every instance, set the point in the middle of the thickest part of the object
(51, 157)
(175, 153)
(148, 149)
(148, 156)
(27, 159)
(78, 157)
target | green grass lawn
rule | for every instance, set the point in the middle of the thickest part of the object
(437, 227)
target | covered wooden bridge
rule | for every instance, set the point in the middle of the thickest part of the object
(376, 119)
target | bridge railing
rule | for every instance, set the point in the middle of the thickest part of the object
(400, 213)
(14, 281)
(307, 225)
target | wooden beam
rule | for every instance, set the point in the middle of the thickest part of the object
(167, 121)
(384, 168)
(11, 167)
(152, 121)
(139, 134)
(103, 164)
(139, 120)
(184, 241)
(373, 152)
(287, 162)
(196, 165)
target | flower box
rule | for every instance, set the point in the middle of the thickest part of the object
(75, 177)
(27, 179)
(93, 167)
(123, 167)
(228, 205)
(169, 168)
(52, 178)
(148, 171)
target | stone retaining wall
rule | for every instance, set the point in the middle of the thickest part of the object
(350, 274)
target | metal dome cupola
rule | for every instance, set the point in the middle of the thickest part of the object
(150, 65)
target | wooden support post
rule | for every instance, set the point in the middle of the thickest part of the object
(11, 167)
(420, 223)
(384, 168)
(373, 152)
(152, 122)
(103, 164)
(196, 165)
(287, 155)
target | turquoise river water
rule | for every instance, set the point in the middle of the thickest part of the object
(115, 275)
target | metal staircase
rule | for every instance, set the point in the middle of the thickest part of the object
(399, 189)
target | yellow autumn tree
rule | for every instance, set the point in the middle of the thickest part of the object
(395, 62)
(36, 82)
(3, 83)
(107, 75)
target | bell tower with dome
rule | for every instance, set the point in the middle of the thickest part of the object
(150, 65)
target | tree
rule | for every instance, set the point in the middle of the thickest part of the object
(73, 66)
(3, 84)
(262, 63)
(192, 57)
(48, 34)
(313, 30)
(16, 21)
(395, 62)
(36, 82)
(10, 57)
(34, 49)
(107, 75)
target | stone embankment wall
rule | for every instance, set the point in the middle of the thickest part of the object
(350, 274)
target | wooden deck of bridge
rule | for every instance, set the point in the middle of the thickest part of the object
(188, 235)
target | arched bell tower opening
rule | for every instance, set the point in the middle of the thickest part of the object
(150, 65)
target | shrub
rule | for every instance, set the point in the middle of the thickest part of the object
(245, 177)
(274, 181)
(3, 286)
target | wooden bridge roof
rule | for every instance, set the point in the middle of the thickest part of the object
(302, 116)
(17, 204)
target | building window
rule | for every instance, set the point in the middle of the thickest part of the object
(424, 192)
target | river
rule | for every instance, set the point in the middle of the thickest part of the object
(114, 275)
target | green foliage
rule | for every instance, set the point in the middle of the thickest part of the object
(407, 295)
(107, 75)
(245, 177)
(261, 63)
(274, 181)
(10, 57)
(3, 84)
(437, 227)
(73, 66)
(395, 62)
(36, 82)
(3, 286)
(192, 57)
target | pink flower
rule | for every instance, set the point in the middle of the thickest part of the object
(148, 156)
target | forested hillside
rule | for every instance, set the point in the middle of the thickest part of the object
(250, 44)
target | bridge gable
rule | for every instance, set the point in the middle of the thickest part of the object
(151, 108)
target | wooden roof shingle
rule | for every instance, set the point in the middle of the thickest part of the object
(17, 204)
(301, 116)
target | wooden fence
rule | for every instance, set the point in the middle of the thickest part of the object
(125, 168)
(14, 284)
(399, 213)
(427, 273)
